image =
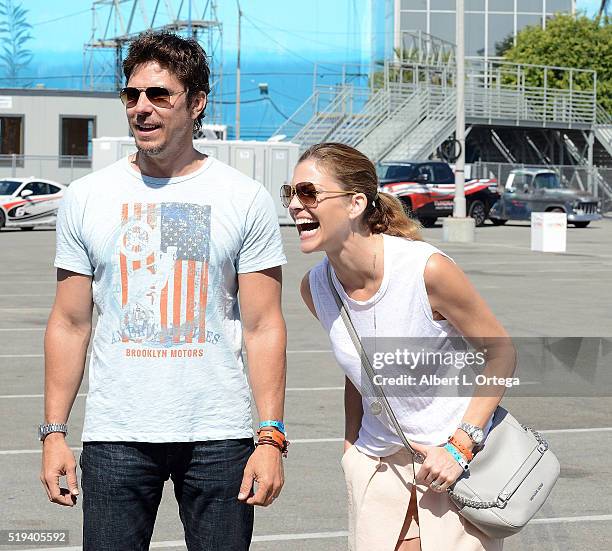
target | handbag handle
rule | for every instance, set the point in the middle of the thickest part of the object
(367, 367)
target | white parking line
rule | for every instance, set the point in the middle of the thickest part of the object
(10, 295)
(328, 535)
(334, 440)
(42, 355)
(22, 355)
(50, 280)
(28, 309)
(18, 329)
(83, 394)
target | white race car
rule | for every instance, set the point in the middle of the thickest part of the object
(29, 202)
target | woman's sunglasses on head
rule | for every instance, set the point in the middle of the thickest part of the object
(157, 95)
(306, 193)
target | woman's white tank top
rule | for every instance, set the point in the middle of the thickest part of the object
(400, 308)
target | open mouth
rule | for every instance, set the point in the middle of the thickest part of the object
(147, 128)
(306, 227)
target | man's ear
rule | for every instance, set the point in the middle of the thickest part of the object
(359, 203)
(198, 104)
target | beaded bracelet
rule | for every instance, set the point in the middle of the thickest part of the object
(457, 455)
(283, 448)
(273, 437)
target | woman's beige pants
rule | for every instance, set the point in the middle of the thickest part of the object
(379, 492)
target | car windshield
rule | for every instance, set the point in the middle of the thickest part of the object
(8, 187)
(388, 172)
(547, 181)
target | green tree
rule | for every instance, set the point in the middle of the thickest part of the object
(14, 32)
(568, 41)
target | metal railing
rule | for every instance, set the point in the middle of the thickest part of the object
(431, 130)
(497, 93)
(600, 183)
(603, 128)
(61, 168)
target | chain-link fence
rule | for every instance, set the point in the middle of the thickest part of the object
(597, 182)
(60, 168)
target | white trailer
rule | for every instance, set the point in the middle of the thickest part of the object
(270, 163)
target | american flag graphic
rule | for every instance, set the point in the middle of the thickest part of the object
(163, 265)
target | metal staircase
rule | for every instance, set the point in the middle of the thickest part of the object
(382, 138)
(434, 125)
(381, 105)
(408, 109)
(328, 117)
(602, 185)
(603, 128)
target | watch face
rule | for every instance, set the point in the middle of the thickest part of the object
(478, 436)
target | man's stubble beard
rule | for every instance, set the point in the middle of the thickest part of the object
(151, 151)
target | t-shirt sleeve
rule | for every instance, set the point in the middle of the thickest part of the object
(262, 246)
(70, 249)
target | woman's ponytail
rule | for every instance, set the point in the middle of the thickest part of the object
(386, 215)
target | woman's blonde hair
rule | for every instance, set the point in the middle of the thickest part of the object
(355, 172)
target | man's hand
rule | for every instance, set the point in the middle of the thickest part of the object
(265, 466)
(58, 460)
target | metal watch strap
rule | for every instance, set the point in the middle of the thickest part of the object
(367, 367)
(46, 429)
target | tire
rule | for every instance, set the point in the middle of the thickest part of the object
(581, 224)
(407, 204)
(428, 221)
(497, 221)
(2, 219)
(26, 228)
(478, 211)
(555, 209)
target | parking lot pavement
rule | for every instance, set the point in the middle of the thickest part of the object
(533, 294)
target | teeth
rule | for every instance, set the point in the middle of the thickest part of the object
(305, 221)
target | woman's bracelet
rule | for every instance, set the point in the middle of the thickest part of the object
(465, 451)
(457, 455)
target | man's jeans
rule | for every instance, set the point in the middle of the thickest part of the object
(122, 486)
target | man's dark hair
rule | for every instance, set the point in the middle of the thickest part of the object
(183, 57)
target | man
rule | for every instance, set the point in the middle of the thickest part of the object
(182, 257)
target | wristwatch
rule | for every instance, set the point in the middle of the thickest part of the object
(45, 430)
(475, 433)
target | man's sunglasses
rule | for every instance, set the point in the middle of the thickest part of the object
(306, 192)
(157, 95)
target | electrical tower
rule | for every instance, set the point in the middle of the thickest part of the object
(116, 22)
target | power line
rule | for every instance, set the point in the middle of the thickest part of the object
(61, 18)
(278, 43)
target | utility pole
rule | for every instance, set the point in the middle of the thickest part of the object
(238, 75)
(189, 33)
(459, 228)
(459, 201)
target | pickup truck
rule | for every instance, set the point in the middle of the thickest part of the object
(540, 190)
(427, 189)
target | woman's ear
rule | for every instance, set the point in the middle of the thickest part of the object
(359, 203)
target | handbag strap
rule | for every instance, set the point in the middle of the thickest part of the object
(367, 367)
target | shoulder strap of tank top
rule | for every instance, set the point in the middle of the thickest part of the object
(380, 398)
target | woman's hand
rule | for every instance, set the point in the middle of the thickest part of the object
(439, 468)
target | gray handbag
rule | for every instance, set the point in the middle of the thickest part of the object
(509, 478)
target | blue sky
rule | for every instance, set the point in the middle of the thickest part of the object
(272, 29)
(278, 36)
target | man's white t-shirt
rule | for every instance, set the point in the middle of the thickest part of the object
(164, 255)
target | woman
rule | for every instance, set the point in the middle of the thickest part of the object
(393, 285)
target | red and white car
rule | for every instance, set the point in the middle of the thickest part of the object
(29, 202)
